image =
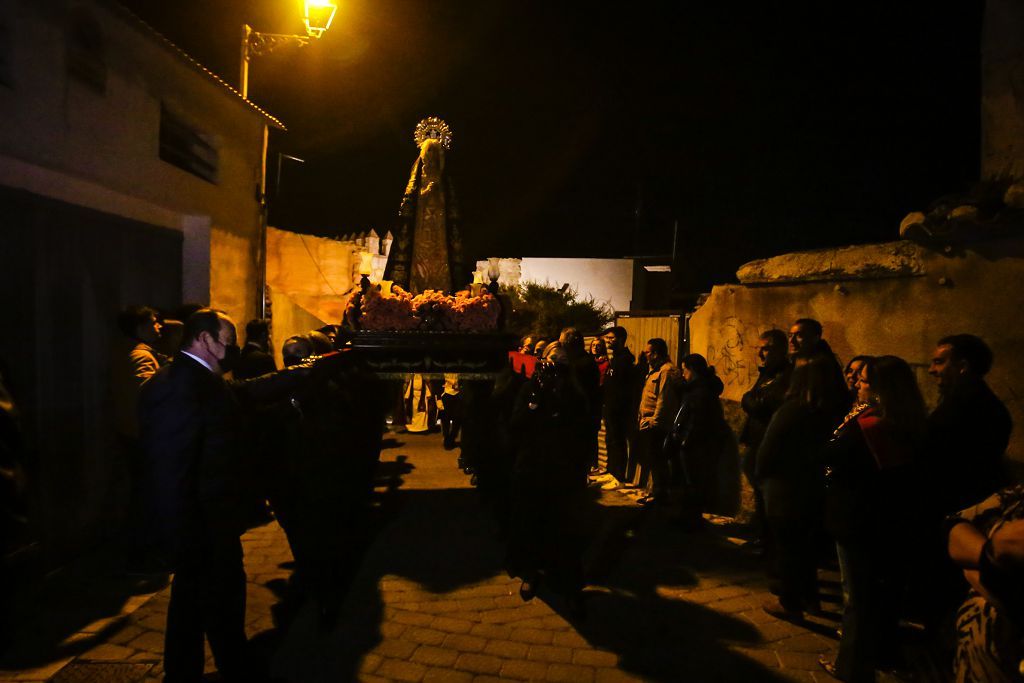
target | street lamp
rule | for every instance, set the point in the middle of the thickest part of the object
(317, 17)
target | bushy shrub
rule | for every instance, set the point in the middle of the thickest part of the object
(545, 310)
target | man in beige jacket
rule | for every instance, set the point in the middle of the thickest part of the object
(135, 361)
(658, 404)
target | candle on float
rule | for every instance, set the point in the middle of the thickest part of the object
(385, 287)
(478, 277)
(493, 268)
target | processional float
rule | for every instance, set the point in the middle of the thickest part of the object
(429, 315)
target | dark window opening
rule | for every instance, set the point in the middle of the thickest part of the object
(187, 148)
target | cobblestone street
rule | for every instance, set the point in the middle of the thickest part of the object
(430, 602)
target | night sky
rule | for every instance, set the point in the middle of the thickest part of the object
(590, 129)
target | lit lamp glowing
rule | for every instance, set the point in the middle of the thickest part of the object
(385, 287)
(478, 283)
(365, 269)
(493, 273)
(317, 17)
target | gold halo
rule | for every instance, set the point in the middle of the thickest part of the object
(433, 128)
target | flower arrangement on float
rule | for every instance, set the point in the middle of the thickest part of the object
(394, 309)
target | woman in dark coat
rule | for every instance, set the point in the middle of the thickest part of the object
(698, 432)
(788, 471)
(549, 481)
(871, 509)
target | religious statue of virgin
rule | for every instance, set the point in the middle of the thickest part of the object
(427, 250)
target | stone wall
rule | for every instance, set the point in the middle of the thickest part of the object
(888, 299)
(310, 280)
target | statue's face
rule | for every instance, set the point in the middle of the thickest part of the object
(431, 155)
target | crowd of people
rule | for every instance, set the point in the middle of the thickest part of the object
(846, 465)
(853, 456)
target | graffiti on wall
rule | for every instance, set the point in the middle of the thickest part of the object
(735, 359)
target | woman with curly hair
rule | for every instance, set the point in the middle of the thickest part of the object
(871, 511)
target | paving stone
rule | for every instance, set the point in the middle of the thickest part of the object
(535, 622)
(700, 597)
(396, 649)
(555, 622)
(803, 661)
(532, 635)
(475, 604)
(108, 652)
(569, 673)
(441, 606)
(426, 636)
(406, 597)
(447, 676)
(549, 653)
(413, 618)
(512, 614)
(151, 657)
(508, 601)
(149, 641)
(778, 630)
(154, 622)
(390, 629)
(401, 671)
(732, 605)
(484, 591)
(507, 649)
(369, 663)
(524, 670)
(804, 642)
(464, 643)
(477, 663)
(758, 616)
(473, 617)
(451, 625)
(595, 658)
(569, 639)
(726, 592)
(435, 656)
(493, 631)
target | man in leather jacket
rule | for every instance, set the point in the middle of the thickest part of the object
(760, 403)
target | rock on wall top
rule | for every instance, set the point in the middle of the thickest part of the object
(869, 261)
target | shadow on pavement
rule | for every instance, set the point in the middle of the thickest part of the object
(442, 539)
(74, 609)
(656, 637)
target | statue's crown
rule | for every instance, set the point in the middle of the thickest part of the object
(433, 128)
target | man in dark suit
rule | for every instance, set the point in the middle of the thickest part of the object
(619, 410)
(193, 432)
(255, 358)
